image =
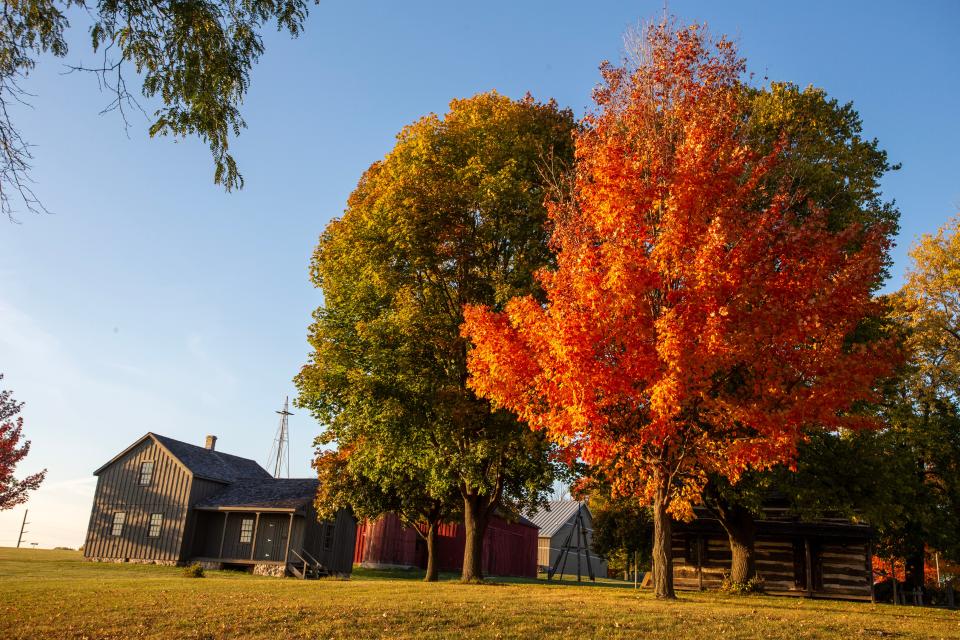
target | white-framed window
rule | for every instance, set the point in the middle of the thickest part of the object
(119, 518)
(246, 530)
(146, 472)
(156, 523)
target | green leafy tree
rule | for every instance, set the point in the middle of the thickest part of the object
(622, 531)
(923, 409)
(373, 482)
(837, 474)
(193, 57)
(454, 215)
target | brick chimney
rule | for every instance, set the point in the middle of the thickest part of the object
(211, 442)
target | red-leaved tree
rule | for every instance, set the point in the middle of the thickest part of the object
(13, 491)
(700, 315)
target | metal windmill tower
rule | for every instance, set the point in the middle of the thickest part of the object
(279, 457)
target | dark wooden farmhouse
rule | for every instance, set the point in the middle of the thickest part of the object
(824, 558)
(164, 501)
(557, 522)
(509, 548)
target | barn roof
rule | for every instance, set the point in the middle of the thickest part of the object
(200, 461)
(553, 516)
(282, 494)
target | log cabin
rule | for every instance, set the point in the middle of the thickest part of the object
(163, 501)
(826, 558)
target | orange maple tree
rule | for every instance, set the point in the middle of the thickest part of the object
(700, 315)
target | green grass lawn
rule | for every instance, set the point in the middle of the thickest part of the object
(55, 594)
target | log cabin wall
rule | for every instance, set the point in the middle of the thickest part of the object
(119, 491)
(699, 561)
(845, 569)
(840, 567)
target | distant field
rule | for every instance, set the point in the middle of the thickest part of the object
(55, 594)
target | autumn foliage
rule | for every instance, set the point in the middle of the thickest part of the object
(12, 451)
(701, 314)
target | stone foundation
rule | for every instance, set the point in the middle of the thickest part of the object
(270, 569)
(162, 563)
(209, 565)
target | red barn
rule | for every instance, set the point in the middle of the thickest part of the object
(509, 548)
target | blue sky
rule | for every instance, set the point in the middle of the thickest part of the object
(153, 301)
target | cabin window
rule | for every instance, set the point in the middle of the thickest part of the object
(246, 530)
(156, 522)
(119, 517)
(146, 472)
(694, 550)
(328, 530)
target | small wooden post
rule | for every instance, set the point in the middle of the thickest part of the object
(223, 534)
(700, 562)
(253, 545)
(636, 569)
(893, 577)
(586, 547)
(873, 592)
(576, 528)
(809, 566)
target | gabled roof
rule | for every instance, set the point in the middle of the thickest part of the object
(201, 462)
(212, 465)
(280, 494)
(554, 516)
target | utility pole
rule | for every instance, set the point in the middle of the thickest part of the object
(22, 529)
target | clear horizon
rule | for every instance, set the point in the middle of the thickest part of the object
(153, 301)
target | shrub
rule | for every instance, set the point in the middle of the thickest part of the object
(195, 570)
(753, 585)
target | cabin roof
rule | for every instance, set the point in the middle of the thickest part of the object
(779, 522)
(282, 494)
(200, 461)
(553, 516)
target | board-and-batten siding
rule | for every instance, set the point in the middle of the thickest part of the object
(339, 557)
(195, 533)
(118, 489)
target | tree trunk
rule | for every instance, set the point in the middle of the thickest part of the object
(431, 553)
(741, 528)
(913, 569)
(475, 520)
(662, 547)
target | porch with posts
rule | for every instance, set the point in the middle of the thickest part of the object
(267, 540)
